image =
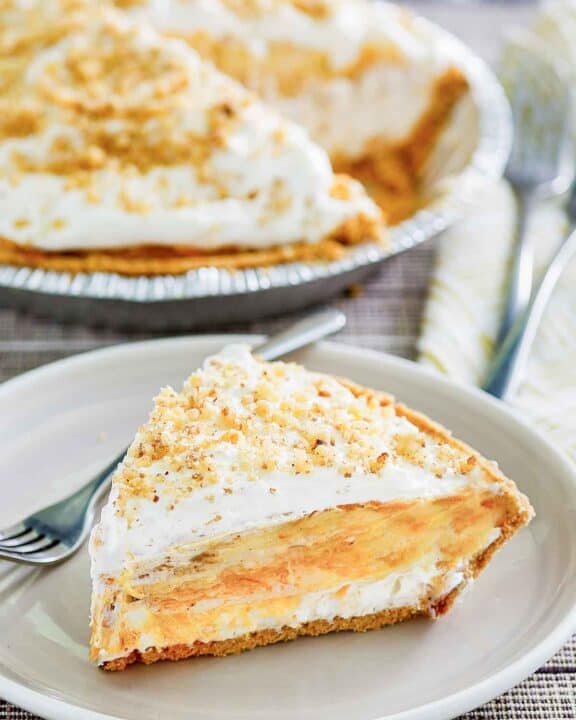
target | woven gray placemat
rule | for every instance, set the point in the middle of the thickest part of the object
(385, 316)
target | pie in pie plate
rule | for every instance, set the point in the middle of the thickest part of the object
(135, 145)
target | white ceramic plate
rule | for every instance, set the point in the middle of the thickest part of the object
(63, 422)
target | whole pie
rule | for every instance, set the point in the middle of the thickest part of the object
(264, 501)
(148, 138)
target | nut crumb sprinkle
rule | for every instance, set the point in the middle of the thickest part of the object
(100, 93)
(188, 444)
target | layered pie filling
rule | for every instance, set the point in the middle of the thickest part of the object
(141, 157)
(265, 501)
(372, 83)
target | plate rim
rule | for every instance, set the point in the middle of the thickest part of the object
(50, 706)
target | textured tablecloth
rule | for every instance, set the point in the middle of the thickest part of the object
(385, 316)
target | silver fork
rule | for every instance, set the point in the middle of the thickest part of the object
(541, 163)
(55, 533)
(507, 367)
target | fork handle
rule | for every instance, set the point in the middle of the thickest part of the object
(70, 515)
(304, 332)
(522, 267)
(507, 367)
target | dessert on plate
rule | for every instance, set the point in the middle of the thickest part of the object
(122, 150)
(264, 501)
(373, 83)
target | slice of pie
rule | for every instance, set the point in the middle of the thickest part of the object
(265, 501)
(121, 150)
(372, 83)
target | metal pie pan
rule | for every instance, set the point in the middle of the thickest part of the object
(472, 149)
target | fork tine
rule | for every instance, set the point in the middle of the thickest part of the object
(13, 531)
(48, 556)
(540, 165)
(540, 100)
(22, 539)
(43, 543)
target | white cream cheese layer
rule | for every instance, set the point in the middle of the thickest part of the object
(396, 590)
(260, 181)
(241, 494)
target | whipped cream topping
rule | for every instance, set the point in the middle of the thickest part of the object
(269, 443)
(340, 29)
(129, 138)
(383, 101)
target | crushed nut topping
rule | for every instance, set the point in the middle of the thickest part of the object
(101, 93)
(238, 418)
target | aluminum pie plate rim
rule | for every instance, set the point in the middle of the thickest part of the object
(488, 161)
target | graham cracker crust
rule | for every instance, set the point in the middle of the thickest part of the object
(250, 641)
(172, 260)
